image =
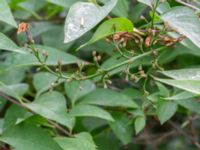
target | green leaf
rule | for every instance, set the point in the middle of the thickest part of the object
(54, 56)
(52, 106)
(32, 6)
(6, 14)
(90, 111)
(63, 3)
(29, 137)
(122, 128)
(163, 91)
(9, 45)
(43, 81)
(83, 16)
(183, 74)
(15, 91)
(181, 96)
(110, 27)
(105, 97)
(78, 89)
(165, 110)
(81, 141)
(187, 85)
(140, 123)
(185, 21)
(191, 104)
(13, 114)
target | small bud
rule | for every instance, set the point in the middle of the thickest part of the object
(95, 59)
(44, 54)
(94, 53)
(140, 68)
(69, 80)
(99, 58)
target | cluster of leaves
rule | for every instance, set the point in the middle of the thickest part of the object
(113, 74)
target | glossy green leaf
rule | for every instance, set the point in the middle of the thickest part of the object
(122, 128)
(6, 14)
(52, 105)
(165, 110)
(83, 16)
(139, 123)
(105, 97)
(29, 137)
(192, 86)
(81, 141)
(183, 74)
(185, 21)
(78, 89)
(110, 27)
(90, 111)
(8, 45)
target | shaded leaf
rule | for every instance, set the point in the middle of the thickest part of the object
(122, 128)
(165, 110)
(6, 14)
(7, 44)
(191, 104)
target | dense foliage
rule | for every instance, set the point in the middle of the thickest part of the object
(99, 74)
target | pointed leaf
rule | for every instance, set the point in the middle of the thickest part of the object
(140, 123)
(83, 16)
(165, 109)
(122, 128)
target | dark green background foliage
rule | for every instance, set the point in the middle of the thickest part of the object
(100, 75)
